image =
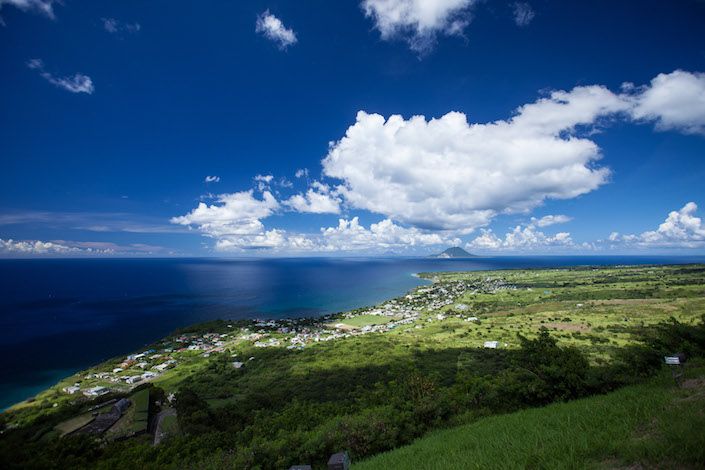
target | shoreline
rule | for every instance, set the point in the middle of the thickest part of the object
(317, 329)
(367, 366)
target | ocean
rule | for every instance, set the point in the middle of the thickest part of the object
(58, 316)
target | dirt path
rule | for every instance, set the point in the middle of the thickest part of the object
(158, 433)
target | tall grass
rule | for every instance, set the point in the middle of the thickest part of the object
(654, 424)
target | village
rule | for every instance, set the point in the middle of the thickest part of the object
(114, 395)
(426, 304)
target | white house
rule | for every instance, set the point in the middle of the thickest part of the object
(96, 391)
(491, 344)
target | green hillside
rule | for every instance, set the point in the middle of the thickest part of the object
(655, 425)
(454, 351)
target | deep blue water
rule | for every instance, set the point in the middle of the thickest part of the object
(58, 316)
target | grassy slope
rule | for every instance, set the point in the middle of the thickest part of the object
(654, 425)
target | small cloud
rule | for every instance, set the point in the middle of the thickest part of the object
(35, 64)
(114, 26)
(301, 173)
(285, 183)
(44, 7)
(547, 220)
(78, 83)
(273, 28)
(212, 179)
(523, 13)
(263, 181)
(319, 199)
(419, 22)
(110, 25)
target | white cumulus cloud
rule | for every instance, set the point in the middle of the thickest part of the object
(524, 238)
(447, 173)
(350, 235)
(78, 83)
(273, 28)
(681, 229)
(418, 21)
(317, 200)
(233, 214)
(453, 174)
(440, 178)
(675, 101)
(21, 248)
(32, 247)
(235, 222)
(212, 179)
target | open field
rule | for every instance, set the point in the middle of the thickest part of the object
(364, 320)
(73, 424)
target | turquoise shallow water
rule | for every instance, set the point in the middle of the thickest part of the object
(60, 316)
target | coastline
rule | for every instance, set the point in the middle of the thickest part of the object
(417, 276)
(374, 366)
(300, 332)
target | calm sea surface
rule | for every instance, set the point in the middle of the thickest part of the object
(60, 316)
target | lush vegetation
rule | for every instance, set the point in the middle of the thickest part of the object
(564, 334)
(654, 425)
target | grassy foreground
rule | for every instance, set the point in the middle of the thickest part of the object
(654, 425)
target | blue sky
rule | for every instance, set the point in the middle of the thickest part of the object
(503, 127)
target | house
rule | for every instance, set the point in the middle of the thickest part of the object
(164, 366)
(491, 344)
(117, 370)
(339, 461)
(149, 375)
(96, 391)
(238, 365)
(72, 389)
(134, 379)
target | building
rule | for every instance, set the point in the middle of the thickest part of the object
(491, 344)
(96, 391)
(72, 389)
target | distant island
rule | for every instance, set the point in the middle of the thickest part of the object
(454, 252)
